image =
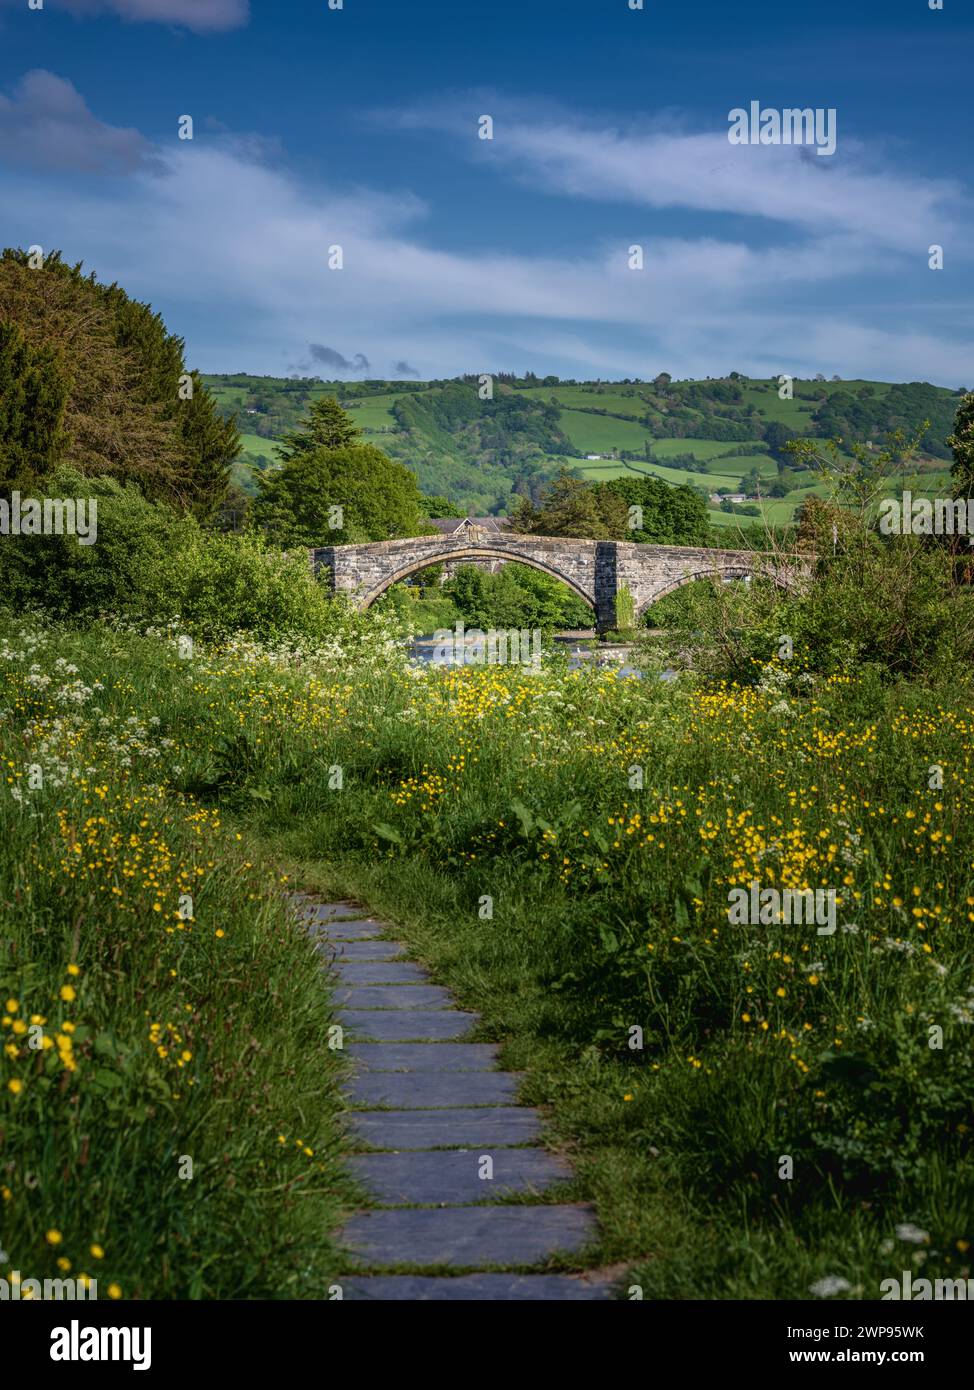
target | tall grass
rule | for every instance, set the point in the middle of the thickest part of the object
(561, 848)
(167, 1094)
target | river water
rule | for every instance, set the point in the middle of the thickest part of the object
(610, 655)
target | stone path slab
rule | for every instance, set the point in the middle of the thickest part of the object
(394, 997)
(348, 931)
(445, 1129)
(323, 912)
(407, 1025)
(423, 1056)
(375, 950)
(429, 1089)
(454, 1178)
(481, 1288)
(422, 1160)
(467, 1236)
(392, 972)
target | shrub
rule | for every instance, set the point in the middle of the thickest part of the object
(150, 562)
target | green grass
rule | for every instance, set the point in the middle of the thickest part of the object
(609, 912)
(765, 465)
(593, 434)
(374, 415)
(794, 413)
(705, 449)
(254, 449)
(678, 1145)
(721, 471)
(181, 1020)
(603, 472)
(258, 445)
(729, 520)
(621, 400)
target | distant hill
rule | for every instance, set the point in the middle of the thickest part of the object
(724, 436)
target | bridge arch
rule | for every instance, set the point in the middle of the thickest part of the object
(478, 552)
(718, 571)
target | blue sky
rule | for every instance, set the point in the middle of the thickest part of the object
(359, 127)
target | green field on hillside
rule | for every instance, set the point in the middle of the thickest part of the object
(703, 449)
(256, 444)
(374, 416)
(603, 472)
(593, 434)
(478, 455)
(622, 400)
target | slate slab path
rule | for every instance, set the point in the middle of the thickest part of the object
(437, 1139)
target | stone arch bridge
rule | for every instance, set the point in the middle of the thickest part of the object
(595, 570)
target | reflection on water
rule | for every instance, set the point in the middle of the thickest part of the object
(607, 655)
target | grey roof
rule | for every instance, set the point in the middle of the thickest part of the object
(450, 525)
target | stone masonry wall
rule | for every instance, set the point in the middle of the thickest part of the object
(594, 569)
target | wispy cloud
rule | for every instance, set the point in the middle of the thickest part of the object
(234, 248)
(47, 125)
(668, 166)
(329, 357)
(202, 16)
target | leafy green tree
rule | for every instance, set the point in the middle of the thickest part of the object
(337, 496)
(670, 515)
(468, 589)
(430, 578)
(332, 490)
(441, 506)
(327, 426)
(571, 507)
(152, 562)
(211, 443)
(92, 379)
(961, 442)
(517, 596)
(777, 436)
(33, 397)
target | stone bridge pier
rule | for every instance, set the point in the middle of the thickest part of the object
(595, 570)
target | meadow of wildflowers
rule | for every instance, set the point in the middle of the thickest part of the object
(753, 1109)
(165, 1100)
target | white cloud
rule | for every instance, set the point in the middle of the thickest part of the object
(46, 124)
(202, 16)
(847, 193)
(233, 249)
